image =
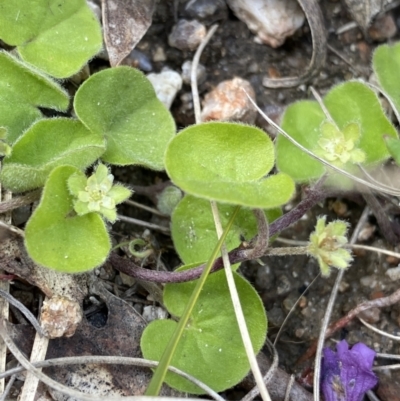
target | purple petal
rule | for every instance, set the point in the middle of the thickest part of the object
(367, 355)
(342, 348)
(356, 379)
(347, 375)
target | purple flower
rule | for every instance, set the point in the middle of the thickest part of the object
(347, 374)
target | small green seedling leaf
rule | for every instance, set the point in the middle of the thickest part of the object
(58, 239)
(22, 91)
(393, 145)
(326, 245)
(353, 136)
(169, 199)
(386, 64)
(45, 145)
(211, 340)
(227, 162)
(58, 37)
(193, 228)
(97, 193)
(120, 104)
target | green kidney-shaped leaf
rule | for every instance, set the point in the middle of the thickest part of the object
(193, 229)
(45, 145)
(57, 36)
(22, 91)
(227, 162)
(211, 347)
(60, 240)
(121, 104)
(386, 64)
(351, 102)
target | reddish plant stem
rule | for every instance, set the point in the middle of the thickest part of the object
(237, 255)
(342, 322)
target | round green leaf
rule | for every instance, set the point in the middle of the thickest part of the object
(386, 63)
(22, 91)
(211, 348)
(57, 36)
(60, 240)
(227, 162)
(193, 229)
(45, 145)
(356, 102)
(348, 103)
(301, 121)
(120, 103)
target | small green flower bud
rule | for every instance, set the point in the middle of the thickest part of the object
(338, 147)
(97, 193)
(326, 245)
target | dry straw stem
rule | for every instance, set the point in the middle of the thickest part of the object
(225, 257)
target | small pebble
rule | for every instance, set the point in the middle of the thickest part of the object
(159, 54)
(187, 70)
(166, 84)
(210, 10)
(271, 20)
(369, 281)
(60, 316)
(383, 28)
(229, 102)
(393, 273)
(392, 260)
(138, 59)
(187, 35)
(366, 232)
(151, 313)
(283, 285)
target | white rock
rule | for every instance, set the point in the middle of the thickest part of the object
(271, 20)
(187, 71)
(166, 84)
(151, 313)
(187, 35)
(393, 273)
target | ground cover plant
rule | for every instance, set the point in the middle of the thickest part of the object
(61, 148)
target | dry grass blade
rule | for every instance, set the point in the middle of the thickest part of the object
(383, 333)
(225, 258)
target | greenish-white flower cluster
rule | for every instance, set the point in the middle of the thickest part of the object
(97, 193)
(339, 147)
(326, 245)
